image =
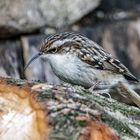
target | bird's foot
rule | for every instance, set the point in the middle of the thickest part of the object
(104, 92)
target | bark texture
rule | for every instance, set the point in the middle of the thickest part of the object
(41, 111)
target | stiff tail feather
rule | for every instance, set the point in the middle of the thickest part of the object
(130, 77)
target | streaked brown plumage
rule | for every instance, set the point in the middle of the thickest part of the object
(78, 60)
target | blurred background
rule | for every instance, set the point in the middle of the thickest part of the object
(114, 24)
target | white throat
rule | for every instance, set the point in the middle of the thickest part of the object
(60, 61)
(64, 65)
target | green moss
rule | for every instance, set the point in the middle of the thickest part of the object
(69, 127)
(121, 128)
(16, 81)
(114, 105)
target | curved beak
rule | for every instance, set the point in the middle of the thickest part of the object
(33, 59)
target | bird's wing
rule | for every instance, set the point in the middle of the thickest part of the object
(99, 59)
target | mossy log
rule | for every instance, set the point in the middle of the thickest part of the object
(38, 111)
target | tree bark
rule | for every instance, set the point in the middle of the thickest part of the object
(38, 111)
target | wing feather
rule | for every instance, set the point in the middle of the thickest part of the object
(97, 58)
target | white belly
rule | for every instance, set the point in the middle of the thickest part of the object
(73, 70)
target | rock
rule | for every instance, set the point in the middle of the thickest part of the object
(64, 12)
(116, 5)
(19, 16)
(24, 16)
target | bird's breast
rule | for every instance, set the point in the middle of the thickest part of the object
(71, 69)
(64, 64)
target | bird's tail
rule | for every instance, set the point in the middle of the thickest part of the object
(130, 77)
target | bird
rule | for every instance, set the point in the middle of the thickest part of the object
(77, 60)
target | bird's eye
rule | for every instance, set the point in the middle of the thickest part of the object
(54, 50)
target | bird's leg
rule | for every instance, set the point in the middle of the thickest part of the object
(94, 86)
(103, 92)
(96, 89)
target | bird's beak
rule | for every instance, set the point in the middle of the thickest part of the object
(33, 59)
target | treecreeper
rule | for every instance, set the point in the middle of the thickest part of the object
(78, 60)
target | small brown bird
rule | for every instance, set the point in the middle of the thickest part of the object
(78, 60)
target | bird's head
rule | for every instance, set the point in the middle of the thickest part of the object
(62, 43)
